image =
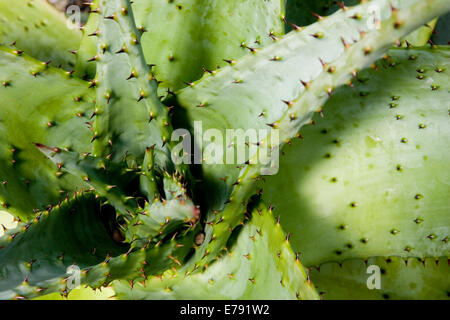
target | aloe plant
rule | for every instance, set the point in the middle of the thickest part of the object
(91, 155)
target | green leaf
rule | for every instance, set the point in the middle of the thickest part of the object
(40, 30)
(155, 220)
(35, 256)
(183, 37)
(258, 249)
(39, 104)
(421, 36)
(371, 177)
(129, 116)
(279, 88)
(110, 180)
(82, 294)
(400, 279)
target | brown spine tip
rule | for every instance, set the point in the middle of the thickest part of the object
(342, 5)
(305, 84)
(319, 17)
(393, 9)
(94, 34)
(345, 43)
(288, 103)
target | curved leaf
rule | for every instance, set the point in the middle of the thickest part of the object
(38, 104)
(40, 30)
(371, 178)
(35, 257)
(278, 88)
(182, 38)
(400, 279)
(255, 251)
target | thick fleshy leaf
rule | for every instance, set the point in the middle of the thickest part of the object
(84, 293)
(185, 38)
(384, 278)
(35, 257)
(371, 177)
(128, 116)
(42, 104)
(421, 36)
(36, 27)
(278, 88)
(257, 264)
(78, 242)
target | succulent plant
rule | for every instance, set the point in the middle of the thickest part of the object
(92, 168)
